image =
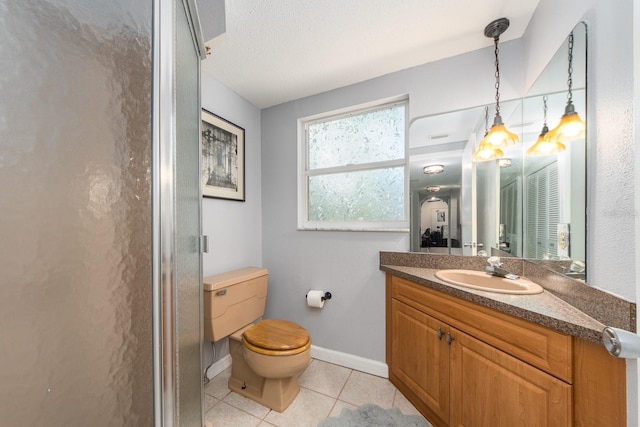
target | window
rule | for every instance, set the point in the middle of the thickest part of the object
(352, 170)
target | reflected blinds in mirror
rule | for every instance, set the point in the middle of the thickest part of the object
(542, 205)
(509, 231)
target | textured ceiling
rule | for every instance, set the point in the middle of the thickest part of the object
(275, 51)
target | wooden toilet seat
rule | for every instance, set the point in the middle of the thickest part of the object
(276, 337)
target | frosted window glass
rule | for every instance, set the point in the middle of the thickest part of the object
(354, 170)
(372, 195)
(374, 136)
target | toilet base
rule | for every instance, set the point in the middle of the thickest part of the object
(274, 393)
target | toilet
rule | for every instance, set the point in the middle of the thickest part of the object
(266, 356)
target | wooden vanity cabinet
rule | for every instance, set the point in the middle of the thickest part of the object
(461, 364)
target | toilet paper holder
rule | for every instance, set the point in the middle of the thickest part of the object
(327, 295)
(621, 343)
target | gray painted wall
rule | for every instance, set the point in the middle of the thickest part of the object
(346, 263)
(234, 228)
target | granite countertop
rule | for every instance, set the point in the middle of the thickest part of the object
(544, 309)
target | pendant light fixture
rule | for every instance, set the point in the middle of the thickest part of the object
(545, 146)
(499, 136)
(571, 126)
(486, 151)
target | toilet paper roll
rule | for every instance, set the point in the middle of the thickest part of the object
(315, 298)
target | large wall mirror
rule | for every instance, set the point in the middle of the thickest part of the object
(524, 206)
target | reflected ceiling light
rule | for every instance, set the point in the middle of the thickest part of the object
(499, 136)
(433, 169)
(434, 199)
(504, 163)
(433, 188)
(571, 126)
(485, 150)
(545, 146)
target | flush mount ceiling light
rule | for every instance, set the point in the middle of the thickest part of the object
(433, 188)
(571, 126)
(504, 163)
(486, 151)
(434, 199)
(545, 146)
(499, 136)
(433, 169)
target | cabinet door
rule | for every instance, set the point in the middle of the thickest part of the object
(420, 356)
(491, 388)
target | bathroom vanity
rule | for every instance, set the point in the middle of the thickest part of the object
(468, 358)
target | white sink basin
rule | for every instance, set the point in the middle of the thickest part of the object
(484, 282)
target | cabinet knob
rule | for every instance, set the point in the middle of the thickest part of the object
(440, 334)
(450, 339)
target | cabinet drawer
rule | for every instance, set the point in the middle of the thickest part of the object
(537, 345)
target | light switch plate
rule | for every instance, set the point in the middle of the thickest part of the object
(563, 240)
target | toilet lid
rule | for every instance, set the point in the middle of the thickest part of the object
(276, 336)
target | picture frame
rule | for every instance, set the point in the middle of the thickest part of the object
(440, 216)
(222, 158)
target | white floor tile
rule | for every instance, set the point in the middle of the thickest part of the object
(223, 415)
(364, 388)
(325, 378)
(402, 403)
(339, 406)
(209, 402)
(320, 384)
(218, 387)
(306, 410)
(246, 405)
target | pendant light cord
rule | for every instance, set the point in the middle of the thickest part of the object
(544, 100)
(495, 40)
(570, 70)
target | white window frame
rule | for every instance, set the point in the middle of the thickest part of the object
(303, 171)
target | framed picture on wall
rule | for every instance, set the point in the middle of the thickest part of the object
(441, 216)
(222, 158)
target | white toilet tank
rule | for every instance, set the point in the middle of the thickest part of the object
(233, 300)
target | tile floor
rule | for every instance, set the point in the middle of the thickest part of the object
(325, 389)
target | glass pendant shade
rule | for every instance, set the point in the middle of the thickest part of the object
(545, 146)
(570, 128)
(500, 137)
(486, 152)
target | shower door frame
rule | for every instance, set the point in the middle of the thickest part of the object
(166, 341)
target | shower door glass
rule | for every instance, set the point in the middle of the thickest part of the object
(188, 199)
(75, 184)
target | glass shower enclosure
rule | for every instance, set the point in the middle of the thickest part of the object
(100, 213)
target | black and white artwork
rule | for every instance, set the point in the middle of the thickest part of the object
(222, 158)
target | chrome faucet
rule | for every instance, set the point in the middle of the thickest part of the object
(495, 269)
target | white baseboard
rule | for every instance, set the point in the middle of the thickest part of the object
(219, 366)
(350, 361)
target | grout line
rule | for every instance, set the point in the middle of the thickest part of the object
(335, 401)
(345, 384)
